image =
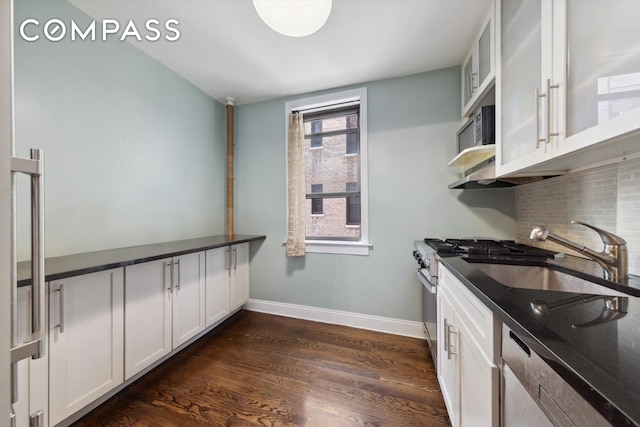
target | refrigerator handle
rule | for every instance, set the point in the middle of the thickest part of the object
(35, 168)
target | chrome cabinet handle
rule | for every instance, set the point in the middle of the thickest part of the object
(235, 259)
(548, 112)
(446, 336)
(35, 168)
(227, 259)
(60, 291)
(450, 350)
(177, 263)
(169, 275)
(537, 97)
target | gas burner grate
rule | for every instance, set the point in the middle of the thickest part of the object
(484, 247)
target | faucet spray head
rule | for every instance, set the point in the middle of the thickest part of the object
(539, 233)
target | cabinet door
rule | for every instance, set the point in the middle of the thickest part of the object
(448, 369)
(239, 275)
(479, 382)
(148, 310)
(525, 63)
(596, 51)
(188, 297)
(217, 285)
(85, 340)
(468, 73)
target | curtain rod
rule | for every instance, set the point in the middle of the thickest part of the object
(323, 107)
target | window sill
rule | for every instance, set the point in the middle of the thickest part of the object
(356, 226)
(337, 247)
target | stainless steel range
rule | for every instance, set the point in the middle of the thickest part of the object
(426, 253)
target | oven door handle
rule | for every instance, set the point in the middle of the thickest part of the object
(427, 282)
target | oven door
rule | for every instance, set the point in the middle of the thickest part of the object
(429, 315)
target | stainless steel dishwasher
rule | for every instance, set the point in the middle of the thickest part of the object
(533, 394)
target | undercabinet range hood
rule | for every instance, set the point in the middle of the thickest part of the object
(486, 178)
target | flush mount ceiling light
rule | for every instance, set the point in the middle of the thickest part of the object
(294, 18)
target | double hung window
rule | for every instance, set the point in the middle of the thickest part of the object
(335, 172)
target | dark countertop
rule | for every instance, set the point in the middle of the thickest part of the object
(601, 362)
(91, 262)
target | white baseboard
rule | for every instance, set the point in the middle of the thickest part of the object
(362, 321)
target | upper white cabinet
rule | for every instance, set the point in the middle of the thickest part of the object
(85, 340)
(165, 307)
(478, 68)
(568, 91)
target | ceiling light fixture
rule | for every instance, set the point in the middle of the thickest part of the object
(294, 18)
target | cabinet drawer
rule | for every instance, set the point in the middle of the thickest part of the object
(482, 324)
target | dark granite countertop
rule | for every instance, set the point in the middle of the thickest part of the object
(602, 362)
(90, 262)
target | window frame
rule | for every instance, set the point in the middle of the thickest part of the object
(328, 102)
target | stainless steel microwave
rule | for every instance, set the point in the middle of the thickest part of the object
(479, 130)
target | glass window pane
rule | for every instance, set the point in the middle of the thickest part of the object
(331, 124)
(332, 224)
(330, 165)
(352, 143)
(603, 75)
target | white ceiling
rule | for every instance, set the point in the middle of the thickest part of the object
(226, 50)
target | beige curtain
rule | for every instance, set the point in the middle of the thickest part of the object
(296, 227)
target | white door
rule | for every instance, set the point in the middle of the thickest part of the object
(217, 285)
(148, 295)
(6, 243)
(8, 292)
(86, 325)
(188, 297)
(239, 275)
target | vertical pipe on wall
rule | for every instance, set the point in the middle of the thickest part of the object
(230, 157)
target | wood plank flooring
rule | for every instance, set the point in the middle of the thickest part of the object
(263, 370)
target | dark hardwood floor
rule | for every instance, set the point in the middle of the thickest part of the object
(263, 370)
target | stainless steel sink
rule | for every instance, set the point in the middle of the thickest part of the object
(542, 278)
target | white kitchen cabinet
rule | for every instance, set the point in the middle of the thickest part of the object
(568, 91)
(478, 68)
(85, 340)
(164, 308)
(524, 58)
(238, 275)
(217, 285)
(448, 363)
(33, 393)
(189, 297)
(469, 338)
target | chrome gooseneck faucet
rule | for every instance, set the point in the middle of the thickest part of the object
(613, 258)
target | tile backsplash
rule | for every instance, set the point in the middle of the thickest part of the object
(607, 197)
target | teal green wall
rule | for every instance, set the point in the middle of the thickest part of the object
(134, 153)
(412, 124)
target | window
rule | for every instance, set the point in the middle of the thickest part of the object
(336, 219)
(316, 203)
(316, 127)
(352, 143)
(353, 205)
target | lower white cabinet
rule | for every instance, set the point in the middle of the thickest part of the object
(217, 285)
(165, 307)
(468, 342)
(238, 274)
(85, 340)
(227, 281)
